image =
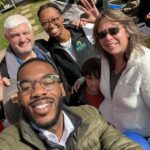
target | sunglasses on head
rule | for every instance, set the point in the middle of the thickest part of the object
(111, 31)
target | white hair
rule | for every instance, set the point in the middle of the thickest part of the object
(15, 20)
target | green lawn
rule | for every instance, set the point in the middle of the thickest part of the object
(34, 5)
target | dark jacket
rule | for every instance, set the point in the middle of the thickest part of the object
(91, 132)
(82, 49)
(80, 98)
(143, 9)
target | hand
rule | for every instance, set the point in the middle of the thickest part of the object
(79, 23)
(6, 81)
(77, 85)
(3, 81)
(147, 16)
(91, 11)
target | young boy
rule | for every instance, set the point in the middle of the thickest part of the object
(89, 92)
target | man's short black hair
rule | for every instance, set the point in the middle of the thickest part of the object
(36, 60)
(48, 5)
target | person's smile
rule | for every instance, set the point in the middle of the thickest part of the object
(112, 45)
(42, 106)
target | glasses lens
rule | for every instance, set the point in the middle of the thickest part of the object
(102, 34)
(49, 81)
(113, 31)
(55, 20)
(25, 86)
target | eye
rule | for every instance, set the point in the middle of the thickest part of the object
(54, 20)
(47, 82)
(14, 35)
(102, 34)
(26, 33)
(26, 86)
(113, 30)
(45, 23)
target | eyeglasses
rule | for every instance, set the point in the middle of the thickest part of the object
(54, 21)
(48, 82)
(111, 31)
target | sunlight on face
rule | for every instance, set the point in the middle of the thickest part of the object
(42, 106)
(114, 43)
(20, 38)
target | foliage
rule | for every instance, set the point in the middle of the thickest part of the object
(33, 9)
(2, 3)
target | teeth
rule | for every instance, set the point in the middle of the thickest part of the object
(111, 44)
(42, 106)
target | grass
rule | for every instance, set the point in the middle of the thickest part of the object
(34, 5)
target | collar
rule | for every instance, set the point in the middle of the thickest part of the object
(68, 128)
(37, 52)
(31, 136)
(13, 62)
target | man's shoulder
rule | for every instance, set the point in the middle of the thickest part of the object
(41, 44)
(40, 41)
(11, 138)
(11, 130)
(85, 111)
(9, 134)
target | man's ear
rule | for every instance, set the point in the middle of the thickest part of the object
(6, 36)
(18, 98)
(63, 90)
(62, 18)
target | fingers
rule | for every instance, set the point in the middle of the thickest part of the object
(6, 81)
(84, 9)
(86, 4)
(85, 21)
(3, 81)
(79, 23)
(92, 3)
(76, 87)
(76, 23)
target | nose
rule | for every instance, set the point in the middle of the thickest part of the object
(51, 25)
(22, 38)
(94, 83)
(38, 91)
(108, 36)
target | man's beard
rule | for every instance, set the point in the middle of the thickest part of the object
(49, 124)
